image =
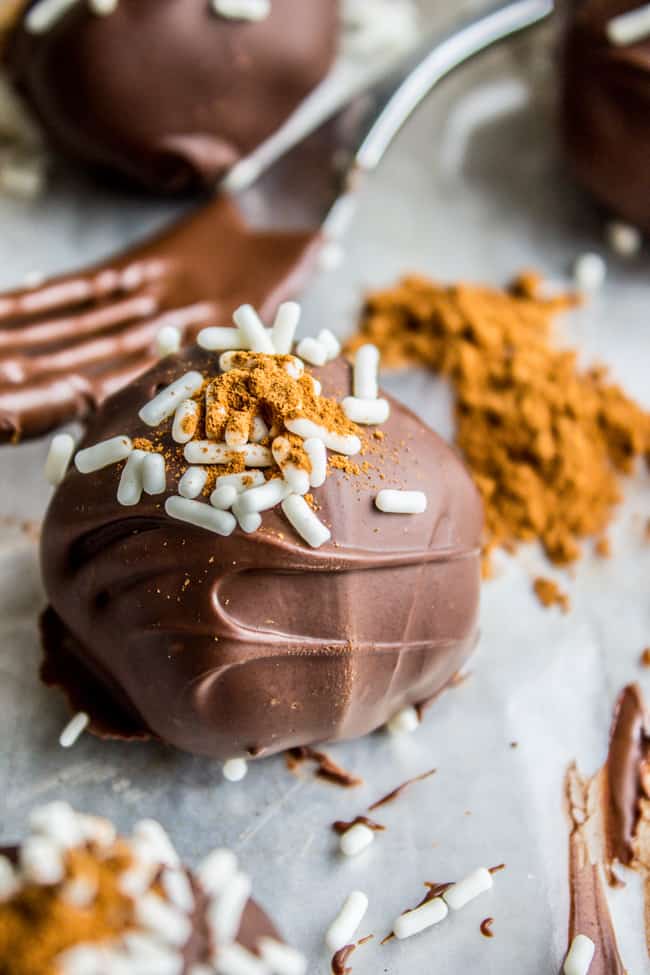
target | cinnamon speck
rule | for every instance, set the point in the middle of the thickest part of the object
(549, 594)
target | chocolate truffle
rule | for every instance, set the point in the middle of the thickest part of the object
(247, 642)
(605, 110)
(76, 897)
(169, 95)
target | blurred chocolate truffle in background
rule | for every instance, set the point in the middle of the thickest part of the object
(605, 106)
(170, 94)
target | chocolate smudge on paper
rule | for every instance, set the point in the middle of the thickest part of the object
(340, 957)
(326, 768)
(341, 826)
(486, 927)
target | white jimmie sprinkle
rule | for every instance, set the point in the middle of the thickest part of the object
(345, 924)
(247, 523)
(241, 482)
(259, 430)
(305, 522)
(154, 479)
(366, 369)
(74, 729)
(330, 342)
(623, 238)
(151, 842)
(589, 272)
(192, 482)
(284, 327)
(366, 411)
(477, 882)
(233, 959)
(178, 889)
(580, 956)
(282, 959)
(186, 420)
(225, 914)
(342, 443)
(168, 340)
(315, 450)
(217, 870)
(356, 839)
(264, 497)
(164, 404)
(9, 883)
(102, 8)
(401, 502)
(45, 14)
(163, 920)
(224, 497)
(58, 458)
(297, 479)
(200, 515)
(425, 916)
(103, 454)
(404, 722)
(235, 769)
(630, 27)
(255, 335)
(312, 351)
(253, 10)
(129, 489)
(208, 452)
(41, 860)
(219, 339)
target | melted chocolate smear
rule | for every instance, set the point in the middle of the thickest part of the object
(341, 826)
(486, 927)
(629, 750)
(391, 796)
(340, 958)
(326, 768)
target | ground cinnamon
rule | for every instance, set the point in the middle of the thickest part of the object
(545, 440)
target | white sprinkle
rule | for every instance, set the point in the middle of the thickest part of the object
(165, 921)
(580, 956)
(345, 924)
(229, 360)
(164, 404)
(152, 843)
(477, 882)
(253, 10)
(404, 722)
(284, 327)
(200, 515)
(235, 769)
(82, 960)
(366, 370)
(425, 916)
(366, 411)
(79, 892)
(102, 8)
(356, 839)
(58, 458)
(59, 822)
(217, 870)
(256, 336)
(97, 830)
(45, 14)
(235, 436)
(154, 479)
(312, 351)
(331, 343)
(129, 489)
(342, 443)
(74, 728)
(168, 340)
(225, 914)
(316, 385)
(145, 955)
(262, 498)
(259, 430)
(186, 419)
(305, 522)
(623, 238)
(281, 959)
(630, 27)
(137, 880)
(209, 452)
(103, 454)
(401, 502)
(248, 523)
(233, 959)
(589, 272)
(176, 885)
(8, 879)
(297, 479)
(315, 450)
(41, 860)
(192, 482)
(241, 482)
(223, 497)
(295, 367)
(218, 339)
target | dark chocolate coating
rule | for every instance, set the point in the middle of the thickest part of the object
(165, 92)
(255, 643)
(605, 111)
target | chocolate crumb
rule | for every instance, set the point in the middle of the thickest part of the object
(486, 927)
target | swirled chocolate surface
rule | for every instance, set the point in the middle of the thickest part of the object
(252, 644)
(169, 95)
(605, 110)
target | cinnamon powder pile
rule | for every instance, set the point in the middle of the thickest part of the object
(545, 440)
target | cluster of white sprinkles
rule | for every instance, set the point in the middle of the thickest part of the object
(580, 956)
(240, 499)
(43, 15)
(435, 910)
(162, 893)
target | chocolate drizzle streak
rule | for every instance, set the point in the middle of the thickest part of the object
(340, 958)
(392, 796)
(629, 749)
(341, 826)
(326, 768)
(486, 927)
